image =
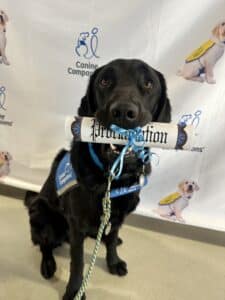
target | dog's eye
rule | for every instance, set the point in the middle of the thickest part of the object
(148, 85)
(105, 83)
(223, 24)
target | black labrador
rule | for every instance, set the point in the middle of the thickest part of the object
(128, 93)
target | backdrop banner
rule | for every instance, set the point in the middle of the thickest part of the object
(48, 50)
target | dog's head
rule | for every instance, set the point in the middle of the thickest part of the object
(5, 157)
(219, 31)
(188, 187)
(127, 93)
(3, 18)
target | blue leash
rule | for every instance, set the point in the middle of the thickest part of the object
(133, 136)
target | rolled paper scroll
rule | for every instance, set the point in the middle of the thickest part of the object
(157, 135)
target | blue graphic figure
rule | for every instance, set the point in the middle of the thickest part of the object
(82, 44)
(93, 43)
(196, 118)
(2, 97)
(83, 48)
(191, 119)
(184, 119)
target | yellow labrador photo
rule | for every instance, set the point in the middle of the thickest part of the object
(200, 63)
(171, 206)
(3, 20)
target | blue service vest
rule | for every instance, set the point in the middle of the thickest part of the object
(66, 179)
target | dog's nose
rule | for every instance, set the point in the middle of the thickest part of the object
(124, 112)
(190, 187)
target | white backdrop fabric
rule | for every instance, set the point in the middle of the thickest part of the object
(53, 46)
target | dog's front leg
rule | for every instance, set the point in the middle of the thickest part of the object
(115, 264)
(179, 216)
(77, 262)
(209, 72)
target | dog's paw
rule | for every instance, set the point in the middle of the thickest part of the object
(6, 62)
(48, 267)
(119, 268)
(211, 80)
(69, 296)
(181, 220)
(201, 79)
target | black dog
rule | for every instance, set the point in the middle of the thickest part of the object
(127, 93)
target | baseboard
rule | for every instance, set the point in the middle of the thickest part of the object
(147, 223)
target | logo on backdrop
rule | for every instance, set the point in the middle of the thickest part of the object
(194, 120)
(86, 53)
(87, 44)
(3, 109)
(191, 119)
(2, 98)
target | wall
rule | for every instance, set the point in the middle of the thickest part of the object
(48, 75)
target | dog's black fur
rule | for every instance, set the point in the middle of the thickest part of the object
(138, 94)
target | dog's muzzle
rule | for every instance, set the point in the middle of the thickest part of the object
(123, 113)
(190, 188)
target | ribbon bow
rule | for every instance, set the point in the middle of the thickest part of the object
(133, 136)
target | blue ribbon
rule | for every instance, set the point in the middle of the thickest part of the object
(133, 136)
(95, 157)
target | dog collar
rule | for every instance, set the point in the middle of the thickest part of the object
(66, 179)
(117, 192)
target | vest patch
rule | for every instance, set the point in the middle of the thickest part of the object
(65, 176)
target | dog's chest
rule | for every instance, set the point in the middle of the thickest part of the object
(2, 29)
(213, 54)
(120, 208)
(182, 202)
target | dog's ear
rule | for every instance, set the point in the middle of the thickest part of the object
(88, 104)
(9, 156)
(181, 185)
(162, 111)
(5, 17)
(196, 187)
(216, 31)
